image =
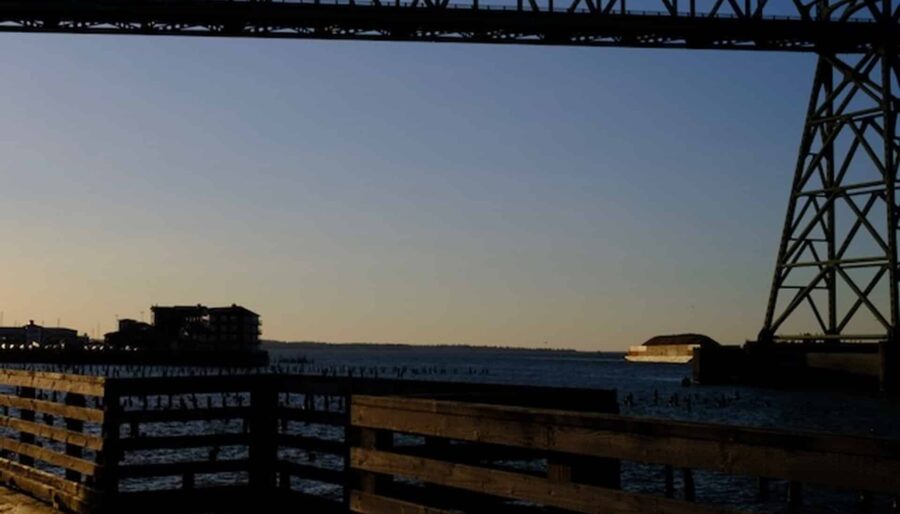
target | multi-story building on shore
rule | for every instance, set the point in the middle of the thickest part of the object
(190, 328)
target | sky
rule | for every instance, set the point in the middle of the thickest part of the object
(396, 192)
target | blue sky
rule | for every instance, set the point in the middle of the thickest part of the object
(432, 193)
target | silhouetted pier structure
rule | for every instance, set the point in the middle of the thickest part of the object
(242, 443)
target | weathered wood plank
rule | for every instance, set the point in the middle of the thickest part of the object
(11, 468)
(313, 416)
(53, 408)
(181, 415)
(47, 487)
(231, 498)
(575, 399)
(62, 435)
(803, 440)
(20, 502)
(307, 472)
(182, 468)
(311, 503)
(312, 443)
(575, 497)
(365, 503)
(49, 456)
(144, 386)
(756, 452)
(79, 384)
(183, 441)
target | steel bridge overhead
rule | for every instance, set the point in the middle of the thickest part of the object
(848, 26)
(836, 264)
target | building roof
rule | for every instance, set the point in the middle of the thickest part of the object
(182, 308)
(234, 308)
(681, 339)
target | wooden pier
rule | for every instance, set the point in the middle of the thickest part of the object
(337, 445)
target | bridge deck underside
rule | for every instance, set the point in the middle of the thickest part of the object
(577, 24)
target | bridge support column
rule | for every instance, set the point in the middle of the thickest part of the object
(836, 272)
(889, 369)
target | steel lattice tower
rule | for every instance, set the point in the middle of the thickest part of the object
(837, 260)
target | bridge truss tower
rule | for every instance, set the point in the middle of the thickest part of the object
(836, 275)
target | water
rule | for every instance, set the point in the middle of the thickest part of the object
(653, 387)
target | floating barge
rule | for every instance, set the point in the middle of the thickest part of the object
(670, 349)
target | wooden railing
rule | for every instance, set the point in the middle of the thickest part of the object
(52, 443)
(209, 442)
(334, 445)
(563, 443)
(314, 436)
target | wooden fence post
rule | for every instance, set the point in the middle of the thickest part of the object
(795, 496)
(263, 440)
(75, 425)
(370, 439)
(687, 476)
(670, 481)
(762, 484)
(27, 415)
(107, 480)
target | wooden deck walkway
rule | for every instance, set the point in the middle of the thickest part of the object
(12, 502)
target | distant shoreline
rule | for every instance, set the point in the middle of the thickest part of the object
(275, 345)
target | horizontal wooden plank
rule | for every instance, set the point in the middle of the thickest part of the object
(570, 496)
(12, 468)
(146, 386)
(49, 456)
(310, 503)
(62, 435)
(71, 496)
(804, 440)
(231, 498)
(312, 443)
(314, 384)
(307, 472)
(730, 450)
(473, 453)
(182, 468)
(78, 384)
(181, 415)
(183, 441)
(53, 408)
(365, 503)
(313, 416)
(576, 399)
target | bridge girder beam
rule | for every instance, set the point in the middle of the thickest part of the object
(727, 25)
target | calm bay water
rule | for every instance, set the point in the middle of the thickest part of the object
(654, 389)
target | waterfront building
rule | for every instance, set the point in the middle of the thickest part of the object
(190, 328)
(37, 336)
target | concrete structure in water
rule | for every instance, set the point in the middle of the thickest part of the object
(802, 364)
